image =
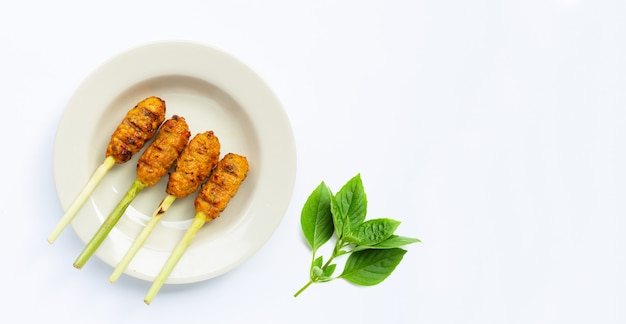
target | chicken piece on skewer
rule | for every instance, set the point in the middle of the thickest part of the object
(153, 164)
(222, 186)
(194, 165)
(192, 168)
(138, 126)
(212, 199)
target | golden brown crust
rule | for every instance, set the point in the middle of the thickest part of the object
(222, 185)
(139, 126)
(194, 165)
(159, 157)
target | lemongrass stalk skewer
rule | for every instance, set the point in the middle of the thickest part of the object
(82, 197)
(153, 164)
(212, 199)
(192, 168)
(138, 126)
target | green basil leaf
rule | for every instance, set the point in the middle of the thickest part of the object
(371, 267)
(349, 206)
(316, 219)
(375, 231)
(339, 219)
(393, 241)
(316, 268)
(318, 262)
(352, 239)
(323, 275)
(316, 273)
(330, 269)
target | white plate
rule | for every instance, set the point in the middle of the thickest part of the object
(213, 91)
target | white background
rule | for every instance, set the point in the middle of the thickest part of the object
(494, 130)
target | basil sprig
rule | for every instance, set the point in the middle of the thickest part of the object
(373, 248)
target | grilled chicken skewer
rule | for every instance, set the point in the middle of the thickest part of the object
(192, 168)
(213, 198)
(138, 126)
(153, 164)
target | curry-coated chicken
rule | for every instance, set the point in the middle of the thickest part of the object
(139, 126)
(159, 157)
(194, 165)
(222, 185)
